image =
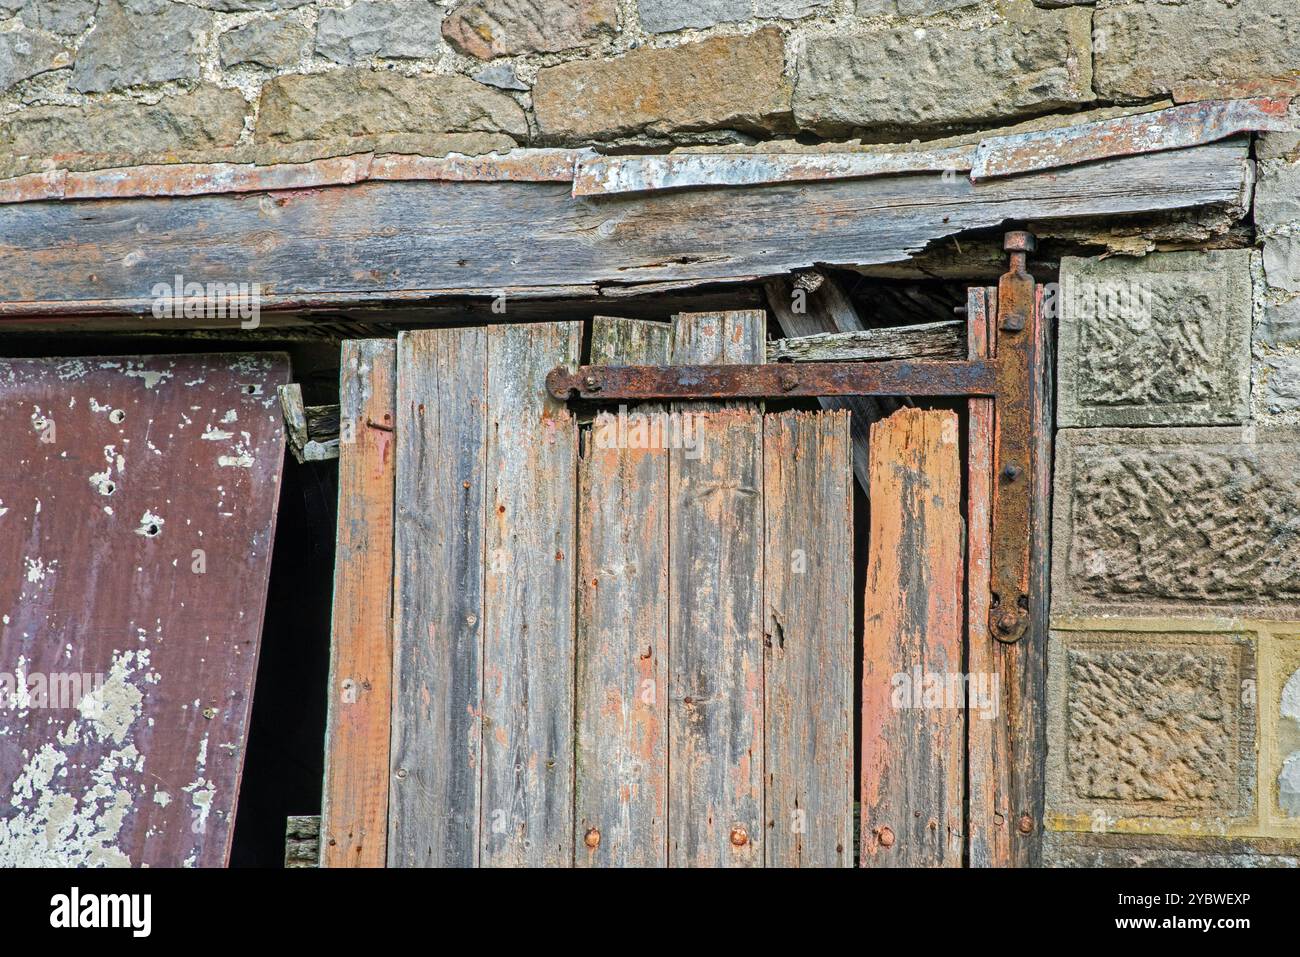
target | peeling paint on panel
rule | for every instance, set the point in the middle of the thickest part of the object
(123, 772)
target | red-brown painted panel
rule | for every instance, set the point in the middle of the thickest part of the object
(137, 512)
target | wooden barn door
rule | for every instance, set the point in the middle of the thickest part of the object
(625, 637)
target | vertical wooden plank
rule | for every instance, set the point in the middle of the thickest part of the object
(808, 673)
(715, 748)
(988, 823)
(913, 697)
(354, 805)
(622, 638)
(434, 817)
(528, 636)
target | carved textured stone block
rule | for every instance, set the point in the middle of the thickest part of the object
(1151, 724)
(1164, 340)
(1202, 522)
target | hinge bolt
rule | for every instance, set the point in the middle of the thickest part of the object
(592, 838)
(591, 384)
(788, 381)
(885, 836)
(1026, 824)
(739, 836)
(1011, 473)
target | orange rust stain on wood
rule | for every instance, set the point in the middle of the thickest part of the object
(912, 741)
(355, 809)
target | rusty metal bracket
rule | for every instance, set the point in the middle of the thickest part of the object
(1013, 378)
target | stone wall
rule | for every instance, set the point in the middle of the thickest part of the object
(1174, 668)
(101, 83)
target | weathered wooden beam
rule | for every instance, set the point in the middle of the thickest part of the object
(931, 340)
(380, 240)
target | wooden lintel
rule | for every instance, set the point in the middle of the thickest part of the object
(380, 241)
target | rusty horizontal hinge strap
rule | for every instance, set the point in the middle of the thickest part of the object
(779, 380)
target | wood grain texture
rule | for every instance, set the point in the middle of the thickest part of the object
(808, 645)
(354, 805)
(375, 240)
(989, 823)
(913, 698)
(434, 807)
(715, 774)
(829, 311)
(622, 639)
(933, 340)
(528, 629)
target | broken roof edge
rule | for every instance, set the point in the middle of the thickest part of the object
(593, 174)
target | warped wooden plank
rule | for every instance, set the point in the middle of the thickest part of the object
(827, 310)
(622, 642)
(354, 805)
(715, 744)
(377, 240)
(809, 648)
(438, 586)
(989, 823)
(137, 513)
(932, 340)
(913, 696)
(528, 611)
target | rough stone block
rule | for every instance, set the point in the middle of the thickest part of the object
(204, 118)
(733, 82)
(1280, 382)
(1163, 340)
(1201, 522)
(1031, 62)
(1150, 724)
(1279, 323)
(1069, 849)
(270, 43)
(1143, 48)
(788, 9)
(1277, 195)
(1282, 730)
(357, 109)
(1282, 262)
(492, 28)
(664, 16)
(379, 28)
(910, 8)
(28, 53)
(111, 58)
(66, 17)
(241, 6)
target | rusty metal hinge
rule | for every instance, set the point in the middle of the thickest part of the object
(1012, 377)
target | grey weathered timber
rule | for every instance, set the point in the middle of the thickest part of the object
(438, 672)
(621, 784)
(377, 240)
(715, 761)
(528, 612)
(808, 645)
(931, 340)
